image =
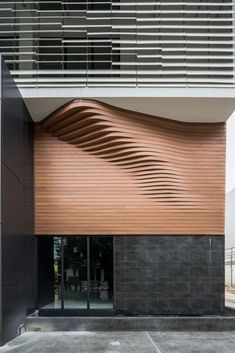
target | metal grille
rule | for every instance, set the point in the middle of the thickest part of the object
(230, 267)
(119, 43)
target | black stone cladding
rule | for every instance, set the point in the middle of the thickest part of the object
(169, 275)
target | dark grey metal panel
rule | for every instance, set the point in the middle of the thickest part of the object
(1, 328)
(169, 275)
(18, 241)
(1, 338)
(45, 270)
(13, 116)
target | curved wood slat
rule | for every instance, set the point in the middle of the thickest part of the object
(83, 127)
(170, 170)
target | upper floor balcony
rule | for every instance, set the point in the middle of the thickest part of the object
(120, 48)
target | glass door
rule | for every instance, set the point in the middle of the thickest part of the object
(101, 272)
(75, 282)
(75, 274)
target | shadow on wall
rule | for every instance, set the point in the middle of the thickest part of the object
(182, 109)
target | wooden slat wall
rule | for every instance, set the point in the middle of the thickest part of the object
(104, 170)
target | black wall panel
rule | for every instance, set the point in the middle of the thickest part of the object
(18, 244)
(45, 266)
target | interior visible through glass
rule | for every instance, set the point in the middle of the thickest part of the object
(78, 272)
(75, 272)
(57, 273)
(101, 272)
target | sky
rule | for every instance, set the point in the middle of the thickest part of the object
(230, 158)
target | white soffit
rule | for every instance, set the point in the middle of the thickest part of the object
(183, 109)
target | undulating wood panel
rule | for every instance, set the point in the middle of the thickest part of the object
(104, 170)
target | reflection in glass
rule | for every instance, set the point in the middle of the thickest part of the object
(101, 272)
(57, 271)
(49, 272)
(75, 273)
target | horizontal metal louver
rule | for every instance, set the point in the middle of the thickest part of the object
(119, 43)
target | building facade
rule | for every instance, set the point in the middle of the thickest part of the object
(113, 157)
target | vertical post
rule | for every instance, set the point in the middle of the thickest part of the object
(231, 259)
(88, 272)
(62, 273)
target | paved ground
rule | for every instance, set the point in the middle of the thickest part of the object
(122, 342)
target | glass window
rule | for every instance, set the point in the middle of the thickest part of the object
(49, 272)
(101, 272)
(75, 273)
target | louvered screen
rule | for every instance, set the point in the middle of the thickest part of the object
(118, 43)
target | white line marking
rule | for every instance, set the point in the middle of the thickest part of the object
(158, 350)
(117, 343)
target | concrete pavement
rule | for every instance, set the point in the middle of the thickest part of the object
(122, 342)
